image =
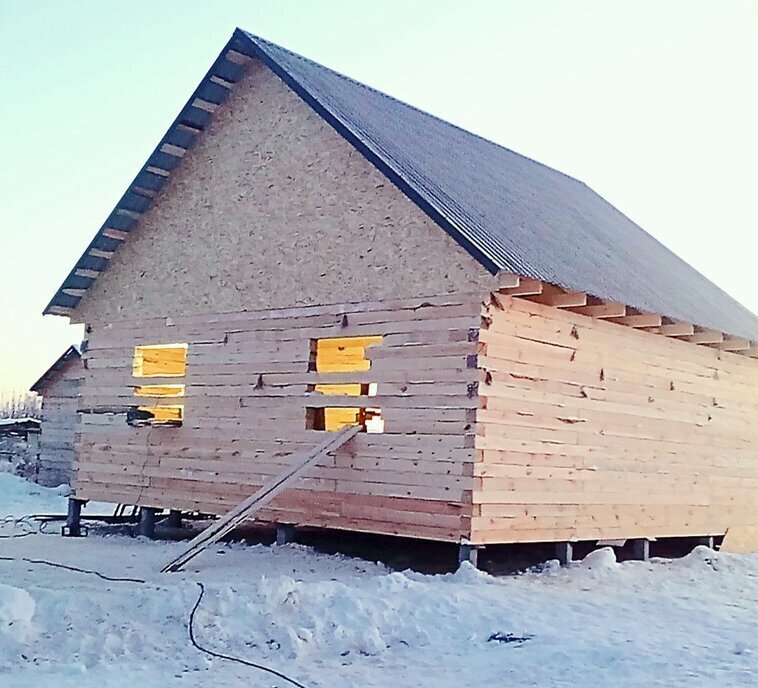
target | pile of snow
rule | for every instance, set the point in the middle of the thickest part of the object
(295, 619)
(19, 497)
(603, 559)
(20, 421)
(335, 622)
(16, 612)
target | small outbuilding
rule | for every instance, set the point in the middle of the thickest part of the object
(19, 446)
(59, 388)
(301, 252)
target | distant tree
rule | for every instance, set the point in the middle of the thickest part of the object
(20, 405)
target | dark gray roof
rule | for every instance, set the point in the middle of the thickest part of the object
(70, 354)
(511, 213)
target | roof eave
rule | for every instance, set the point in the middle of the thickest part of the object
(191, 121)
(69, 354)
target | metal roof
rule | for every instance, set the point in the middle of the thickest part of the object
(511, 213)
(70, 354)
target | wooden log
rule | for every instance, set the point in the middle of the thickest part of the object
(587, 427)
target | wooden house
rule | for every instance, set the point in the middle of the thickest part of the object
(59, 388)
(301, 251)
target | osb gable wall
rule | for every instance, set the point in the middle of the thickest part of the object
(273, 208)
(592, 430)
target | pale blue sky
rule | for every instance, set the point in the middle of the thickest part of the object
(653, 103)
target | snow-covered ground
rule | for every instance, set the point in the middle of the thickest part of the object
(331, 621)
(19, 498)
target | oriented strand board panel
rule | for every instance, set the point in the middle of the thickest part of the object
(591, 430)
(250, 380)
(273, 208)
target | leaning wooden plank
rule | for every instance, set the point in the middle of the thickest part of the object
(258, 500)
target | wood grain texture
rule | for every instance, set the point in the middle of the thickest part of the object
(247, 387)
(255, 502)
(589, 429)
(60, 401)
(274, 208)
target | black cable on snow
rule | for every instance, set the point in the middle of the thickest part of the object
(190, 621)
(212, 653)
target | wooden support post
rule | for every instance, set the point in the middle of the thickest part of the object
(468, 552)
(564, 552)
(285, 533)
(641, 549)
(73, 527)
(174, 518)
(147, 522)
(706, 540)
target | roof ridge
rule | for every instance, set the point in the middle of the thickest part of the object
(509, 211)
(258, 39)
(266, 46)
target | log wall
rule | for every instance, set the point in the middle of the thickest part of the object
(60, 398)
(248, 385)
(588, 430)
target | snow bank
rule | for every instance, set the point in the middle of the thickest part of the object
(700, 557)
(468, 573)
(16, 612)
(19, 497)
(336, 622)
(603, 559)
(325, 618)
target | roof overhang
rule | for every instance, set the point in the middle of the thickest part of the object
(70, 354)
(227, 69)
(468, 229)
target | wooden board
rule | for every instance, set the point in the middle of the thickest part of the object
(259, 499)
(59, 422)
(249, 380)
(588, 429)
(740, 540)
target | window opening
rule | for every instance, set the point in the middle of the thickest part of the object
(366, 389)
(160, 360)
(164, 361)
(159, 391)
(159, 415)
(343, 355)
